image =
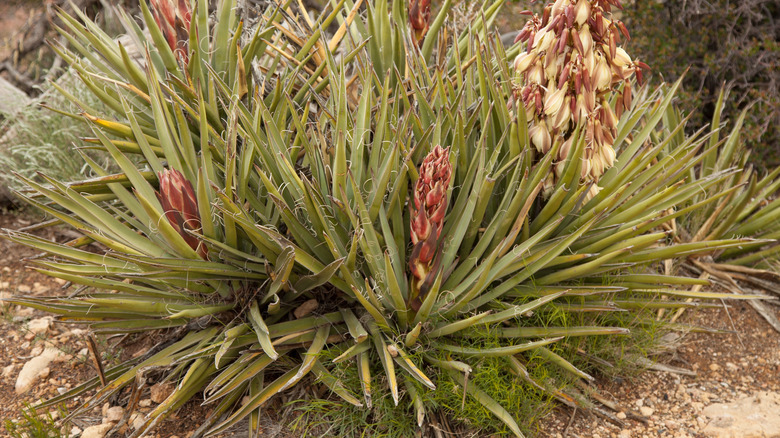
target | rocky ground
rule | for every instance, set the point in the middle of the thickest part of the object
(722, 385)
(733, 390)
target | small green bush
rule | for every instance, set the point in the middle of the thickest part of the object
(721, 42)
(37, 140)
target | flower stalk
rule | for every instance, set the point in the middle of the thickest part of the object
(173, 18)
(180, 204)
(419, 18)
(427, 220)
(571, 65)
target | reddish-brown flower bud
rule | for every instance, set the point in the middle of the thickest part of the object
(430, 194)
(173, 18)
(181, 207)
(419, 18)
(427, 217)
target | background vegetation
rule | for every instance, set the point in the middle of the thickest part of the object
(720, 42)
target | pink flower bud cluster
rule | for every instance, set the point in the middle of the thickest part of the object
(427, 216)
(180, 205)
(419, 18)
(570, 66)
(173, 18)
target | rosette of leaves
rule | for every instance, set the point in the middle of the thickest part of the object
(278, 165)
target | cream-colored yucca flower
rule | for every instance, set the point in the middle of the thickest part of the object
(570, 66)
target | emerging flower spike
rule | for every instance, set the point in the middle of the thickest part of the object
(427, 220)
(419, 18)
(173, 18)
(570, 65)
(181, 207)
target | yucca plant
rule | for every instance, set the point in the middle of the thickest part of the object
(750, 209)
(308, 203)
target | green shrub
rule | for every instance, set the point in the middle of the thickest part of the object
(720, 42)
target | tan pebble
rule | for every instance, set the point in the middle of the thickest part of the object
(24, 312)
(646, 411)
(621, 415)
(23, 288)
(145, 403)
(160, 391)
(36, 368)
(114, 414)
(137, 420)
(8, 371)
(98, 431)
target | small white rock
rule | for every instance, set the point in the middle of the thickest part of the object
(145, 403)
(38, 288)
(115, 413)
(137, 421)
(34, 369)
(23, 313)
(160, 391)
(8, 371)
(98, 431)
(646, 411)
(78, 332)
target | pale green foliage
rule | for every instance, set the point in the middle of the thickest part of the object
(39, 140)
(33, 424)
